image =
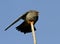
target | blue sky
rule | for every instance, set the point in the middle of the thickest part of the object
(48, 25)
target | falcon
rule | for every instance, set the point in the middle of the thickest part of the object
(25, 26)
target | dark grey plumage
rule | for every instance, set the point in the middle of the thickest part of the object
(25, 27)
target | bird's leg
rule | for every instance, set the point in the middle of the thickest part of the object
(33, 33)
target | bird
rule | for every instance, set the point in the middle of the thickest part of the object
(25, 27)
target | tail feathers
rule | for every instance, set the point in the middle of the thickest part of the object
(24, 27)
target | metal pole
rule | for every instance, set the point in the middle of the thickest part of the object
(33, 33)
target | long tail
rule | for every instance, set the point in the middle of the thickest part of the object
(25, 28)
(13, 23)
